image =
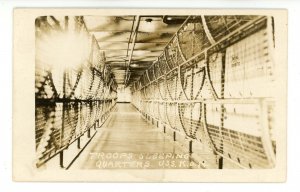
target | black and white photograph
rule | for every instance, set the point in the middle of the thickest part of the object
(158, 92)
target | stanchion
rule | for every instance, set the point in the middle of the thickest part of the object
(78, 143)
(61, 159)
(174, 136)
(220, 162)
(191, 146)
(89, 133)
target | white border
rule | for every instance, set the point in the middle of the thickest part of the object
(6, 10)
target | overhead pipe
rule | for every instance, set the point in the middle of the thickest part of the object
(137, 23)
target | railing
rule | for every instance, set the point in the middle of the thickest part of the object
(213, 83)
(74, 89)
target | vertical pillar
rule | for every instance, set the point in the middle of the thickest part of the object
(220, 162)
(61, 159)
(89, 133)
(191, 146)
(78, 143)
(174, 136)
(64, 105)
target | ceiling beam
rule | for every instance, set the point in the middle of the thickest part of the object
(146, 50)
(140, 41)
(136, 27)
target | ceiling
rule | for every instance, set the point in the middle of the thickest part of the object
(132, 43)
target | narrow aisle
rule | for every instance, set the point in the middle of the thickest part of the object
(127, 141)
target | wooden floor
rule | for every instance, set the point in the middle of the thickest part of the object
(127, 141)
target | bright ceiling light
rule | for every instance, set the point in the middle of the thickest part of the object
(147, 26)
(134, 65)
(63, 50)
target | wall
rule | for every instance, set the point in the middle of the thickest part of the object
(124, 94)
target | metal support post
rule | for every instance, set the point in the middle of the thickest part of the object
(220, 162)
(61, 159)
(89, 133)
(191, 146)
(78, 143)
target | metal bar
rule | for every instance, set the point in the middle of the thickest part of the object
(166, 60)
(221, 127)
(208, 76)
(59, 100)
(89, 133)
(207, 32)
(63, 110)
(61, 159)
(220, 101)
(154, 75)
(206, 128)
(174, 136)
(180, 83)
(180, 120)
(147, 75)
(78, 143)
(191, 146)
(220, 162)
(179, 48)
(132, 46)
